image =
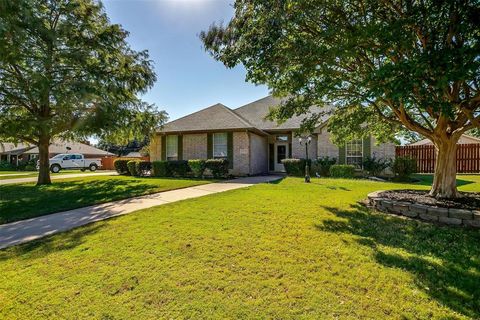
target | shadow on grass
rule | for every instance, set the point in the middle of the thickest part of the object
(22, 201)
(39, 248)
(427, 180)
(445, 261)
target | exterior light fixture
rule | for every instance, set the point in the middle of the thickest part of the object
(306, 141)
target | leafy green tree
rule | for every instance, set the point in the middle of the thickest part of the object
(383, 65)
(66, 71)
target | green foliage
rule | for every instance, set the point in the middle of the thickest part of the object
(378, 67)
(67, 71)
(404, 167)
(375, 166)
(161, 169)
(121, 165)
(179, 168)
(132, 166)
(342, 171)
(218, 167)
(6, 166)
(143, 167)
(295, 167)
(197, 166)
(323, 164)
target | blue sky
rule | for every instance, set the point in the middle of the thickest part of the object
(189, 79)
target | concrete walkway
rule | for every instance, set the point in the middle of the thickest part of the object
(27, 230)
(60, 176)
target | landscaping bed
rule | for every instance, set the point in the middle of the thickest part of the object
(469, 200)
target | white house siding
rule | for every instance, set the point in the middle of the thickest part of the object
(258, 154)
(195, 146)
(325, 147)
(241, 153)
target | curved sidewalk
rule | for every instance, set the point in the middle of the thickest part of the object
(31, 229)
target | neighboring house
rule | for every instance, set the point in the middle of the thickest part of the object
(252, 144)
(17, 153)
(464, 139)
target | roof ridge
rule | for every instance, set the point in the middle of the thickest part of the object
(198, 111)
(245, 105)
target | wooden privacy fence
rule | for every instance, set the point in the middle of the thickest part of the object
(107, 162)
(468, 157)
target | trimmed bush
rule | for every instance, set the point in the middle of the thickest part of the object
(161, 169)
(143, 168)
(323, 164)
(6, 166)
(121, 165)
(197, 166)
(404, 167)
(296, 167)
(342, 171)
(218, 167)
(374, 166)
(178, 168)
(132, 167)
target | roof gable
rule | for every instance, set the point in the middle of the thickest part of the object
(216, 117)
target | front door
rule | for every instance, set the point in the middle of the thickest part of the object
(281, 152)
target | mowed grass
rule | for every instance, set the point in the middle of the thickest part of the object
(8, 175)
(286, 250)
(22, 201)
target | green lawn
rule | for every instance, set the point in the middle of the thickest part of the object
(286, 250)
(7, 175)
(22, 201)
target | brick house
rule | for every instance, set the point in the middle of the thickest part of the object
(252, 144)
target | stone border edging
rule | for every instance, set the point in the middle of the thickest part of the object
(450, 216)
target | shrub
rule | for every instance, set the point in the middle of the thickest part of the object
(197, 166)
(342, 171)
(295, 167)
(178, 168)
(121, 165)
(161, 169)
(374, 166)
(143, 168)
(403, 167)
(5, 165)
(323, 165)
(218, 167)
(132, 167)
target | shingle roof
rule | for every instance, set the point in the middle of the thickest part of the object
(216, 117)
(57, 146)
(249, 116)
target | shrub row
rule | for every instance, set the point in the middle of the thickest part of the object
(402, 167)
(177, 168)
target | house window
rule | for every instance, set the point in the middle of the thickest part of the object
(282, 138)
(354, 153)
(220, 142)
(172, 147)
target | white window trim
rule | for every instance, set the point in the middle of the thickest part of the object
(346, 151)
(213, 145)
(167, 156)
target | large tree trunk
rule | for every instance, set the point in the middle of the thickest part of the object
(44, 164)
(444, 181)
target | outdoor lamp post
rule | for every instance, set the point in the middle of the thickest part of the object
(306, 141)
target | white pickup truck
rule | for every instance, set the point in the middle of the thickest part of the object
(73, 161)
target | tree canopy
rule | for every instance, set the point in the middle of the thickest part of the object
(66, 71)
(385, 66)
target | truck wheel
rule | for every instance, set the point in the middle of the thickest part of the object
(93, 167)
(55, 168)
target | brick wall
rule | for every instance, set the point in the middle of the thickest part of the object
(298, 150)
(241, 153)
(325, 146)
(195, 146)
(258, 154)
(384, 150)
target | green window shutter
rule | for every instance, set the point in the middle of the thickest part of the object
(230, 149)
(180, 147)
(367, 147)
(164, 147)
(341, 154)
(209, 146)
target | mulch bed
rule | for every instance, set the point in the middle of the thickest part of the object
(469, 200)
